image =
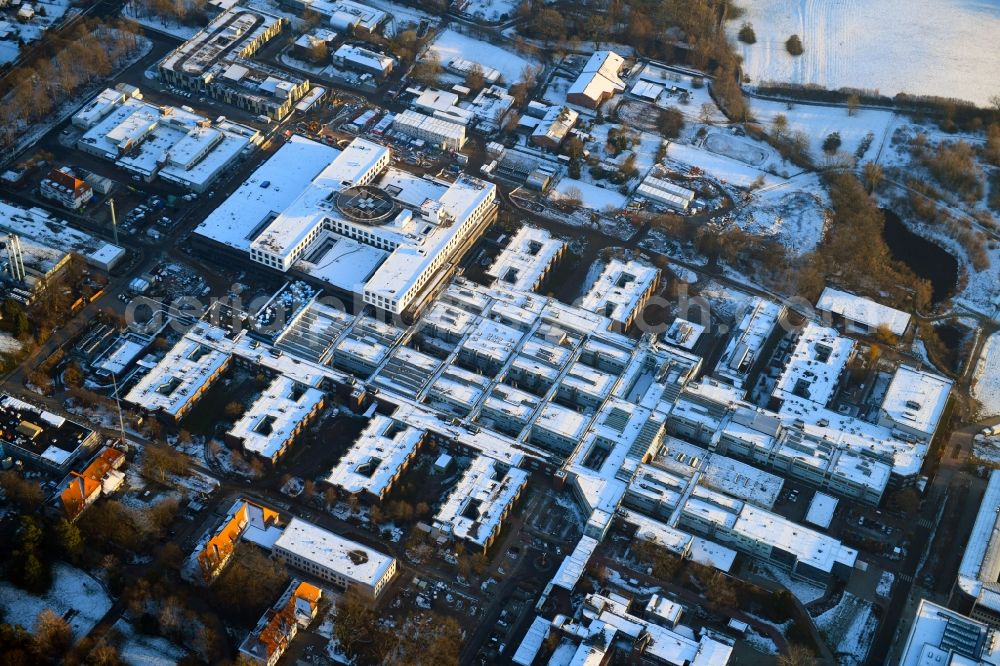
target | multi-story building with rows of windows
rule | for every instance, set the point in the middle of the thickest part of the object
(348, 219)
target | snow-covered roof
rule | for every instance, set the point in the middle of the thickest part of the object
(377, 457)
(574, 564)
(747, 340)
(915, 400)
(821, 509)
(174, 143)
(980, 567)
(352, 560)
(527, 258)
(365, 58)
(37, 225)
(480, 500)
(238, 220)
(186, 370)
(226, 37)
(599, 76)
(620, 289)
(816, 364)
(862, 310)
(942, 636)
(532, 641)
(683, 333)
(275, 416)
(817, 550)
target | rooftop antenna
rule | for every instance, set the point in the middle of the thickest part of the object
(14, 258)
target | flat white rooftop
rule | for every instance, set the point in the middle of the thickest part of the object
(38, 226)
(745, 344)
(818, 359)
(916, 399)
(275, 184)
(809, 547)
(821, 509)
(479, 501)
(353, 561)
(527, 258)
(939, 636)
(862, 310)
(275, 415)
(178, 377)
(377, 457)
(620, 289)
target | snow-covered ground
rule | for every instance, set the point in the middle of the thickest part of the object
(803, 591)
(760, 642)
(848, 629)
(726, 169)
(793, 213)
(922, 47)
(817, 122)
(72, 590)
(986, 382)
(450, 44)
(488, 10)
(140, 650)
(593, 197)
(9, 345)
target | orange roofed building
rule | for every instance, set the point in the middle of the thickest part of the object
(101, 477)
(246, 520)
(295, 609)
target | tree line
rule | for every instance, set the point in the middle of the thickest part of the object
(67, 62)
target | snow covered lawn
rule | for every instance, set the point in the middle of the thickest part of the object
(140, 650)
(986, 383)
(450, 45)
(724, 168)
(848, 629)
(818, 122)
(593, 197)
(922, 47)
(72, 590)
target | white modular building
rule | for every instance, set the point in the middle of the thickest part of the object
(432, 129)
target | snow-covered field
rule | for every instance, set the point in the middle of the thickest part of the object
(817, 122)
(593, 197)
(922, 47)
(986, 384)
(450, 45)
(489, 10)
(724, 168)
(72, 590)
(794, 217)
(760, 642)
